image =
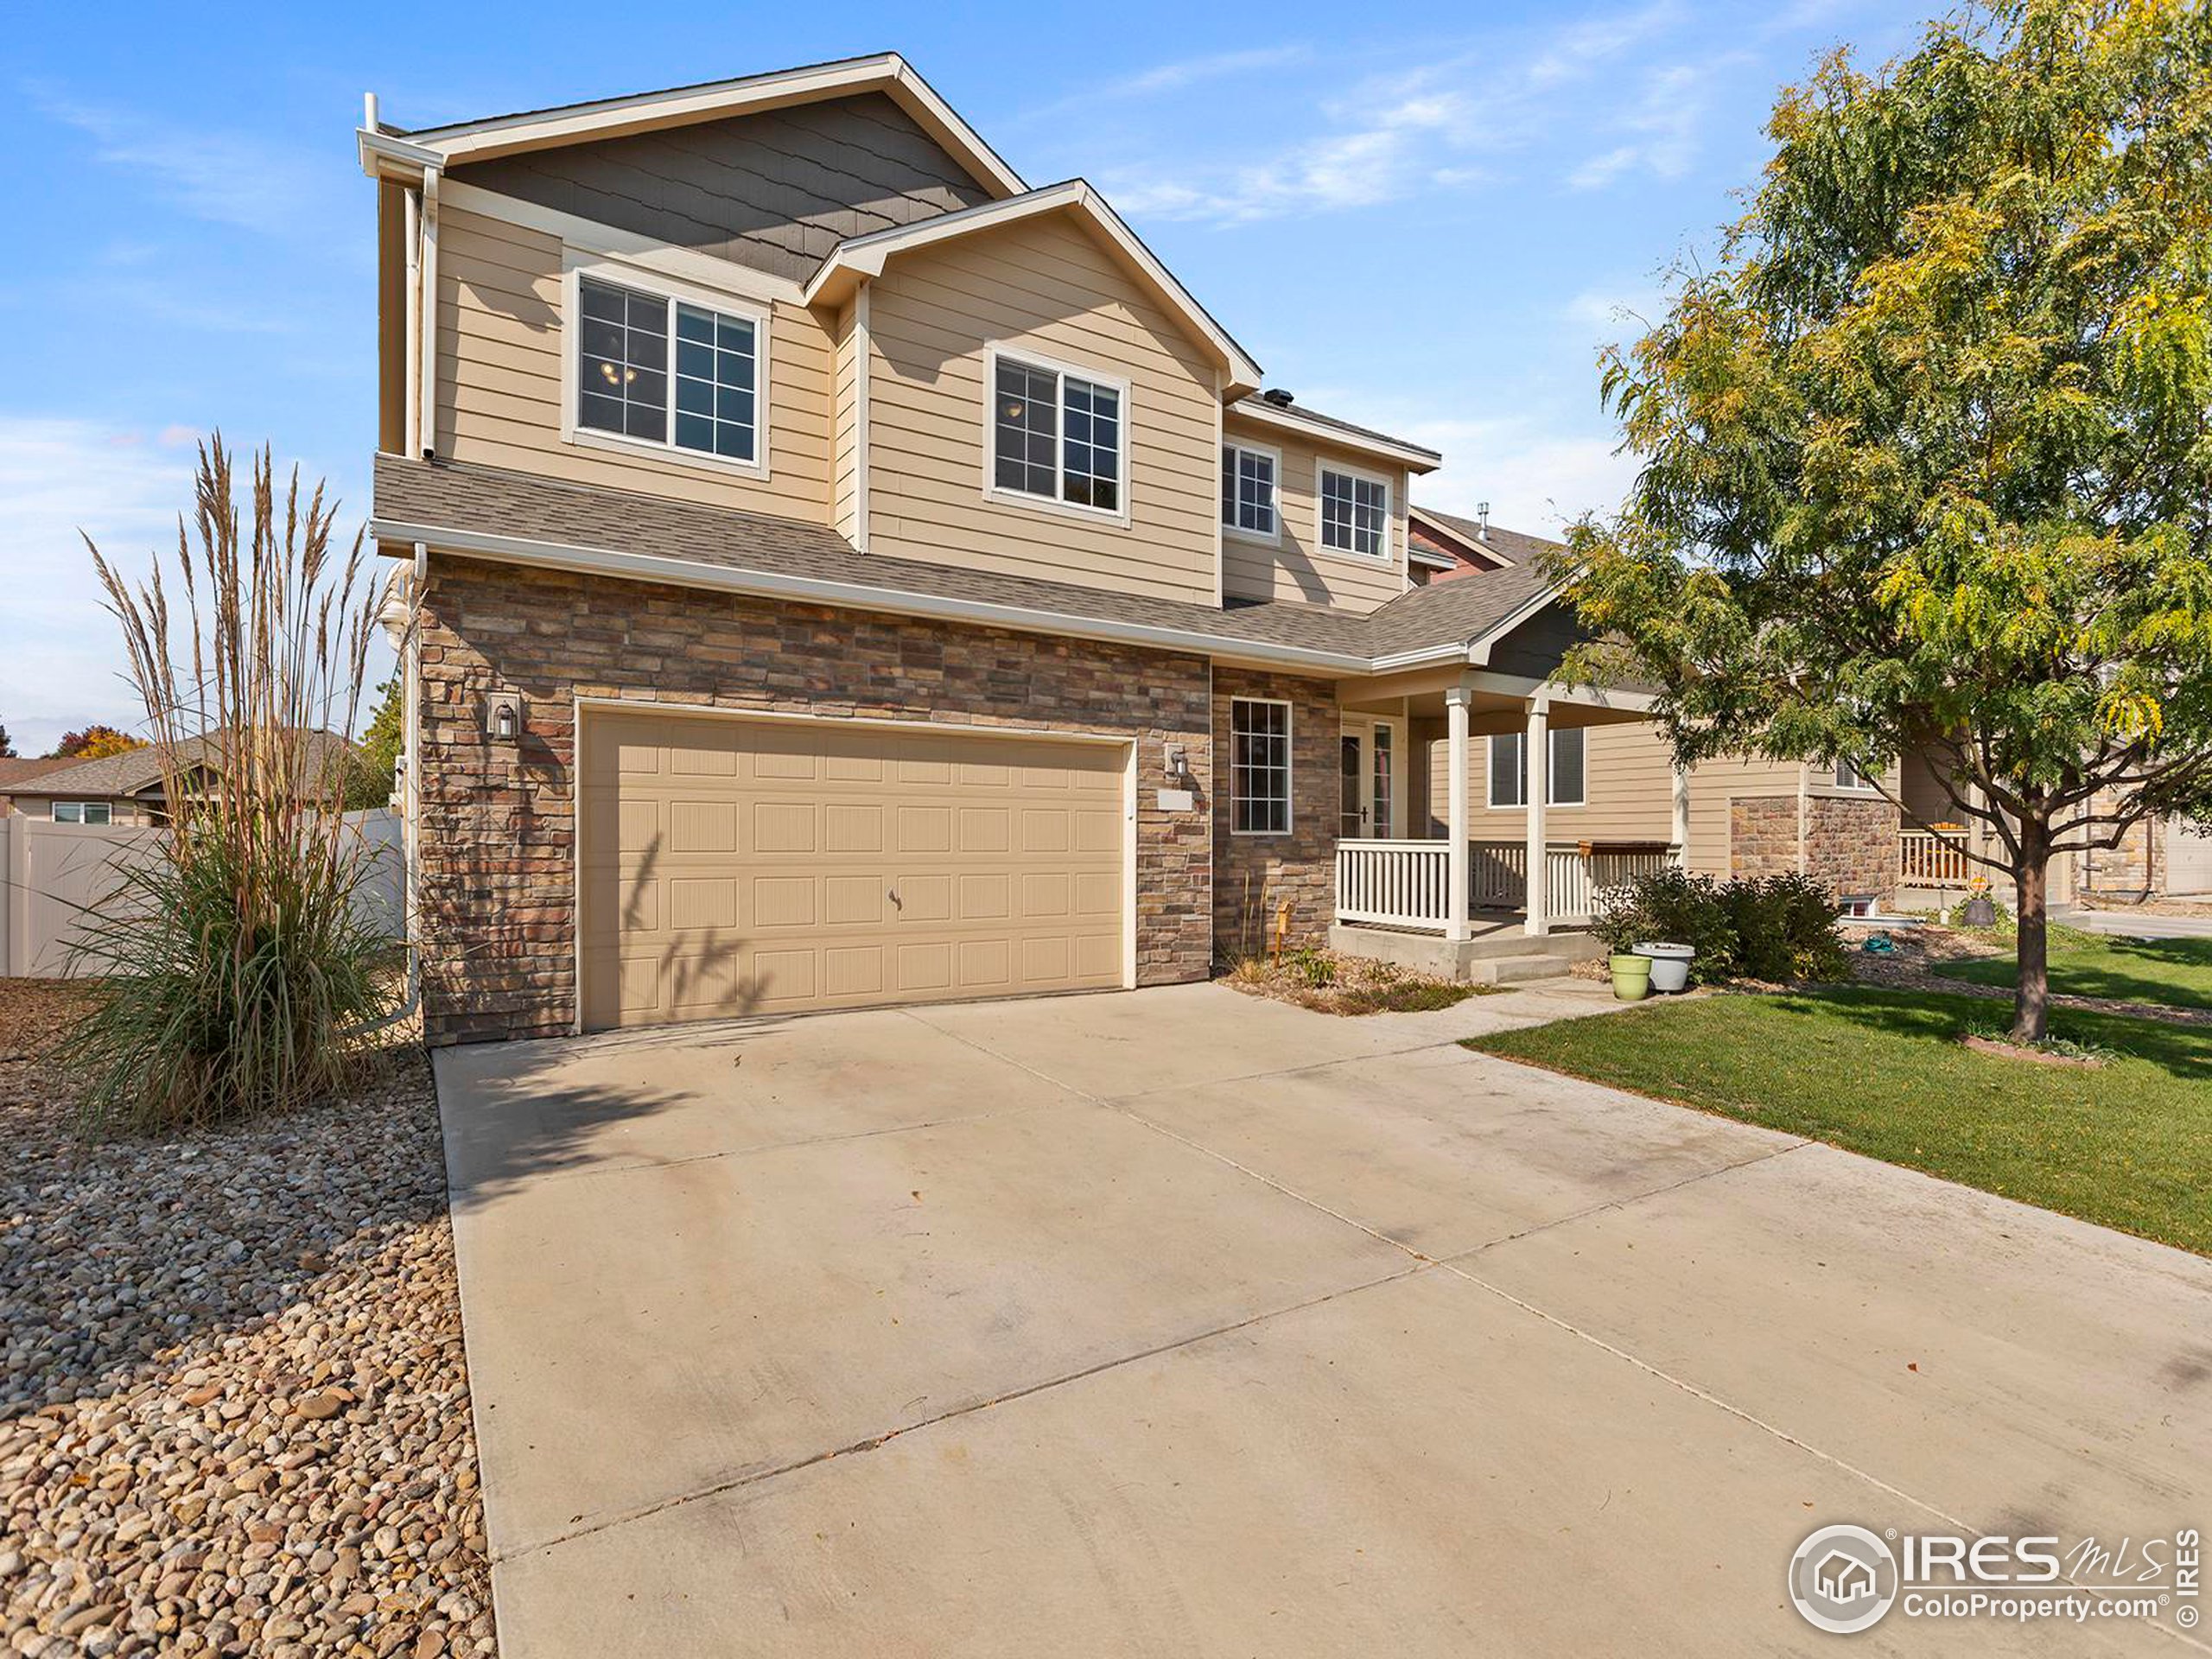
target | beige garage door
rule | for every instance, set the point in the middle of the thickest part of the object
(760, 866)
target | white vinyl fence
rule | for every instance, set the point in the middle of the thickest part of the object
(51, 872)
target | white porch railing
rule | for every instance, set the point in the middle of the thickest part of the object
(1927, 860)
(1405, 883)
(1395, 883)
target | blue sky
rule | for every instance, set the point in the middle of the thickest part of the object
(1426, 219)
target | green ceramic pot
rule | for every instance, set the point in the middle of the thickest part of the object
(1631, 977)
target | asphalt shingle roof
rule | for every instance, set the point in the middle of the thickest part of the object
(492, 501)
(1258, 404)
(130, 772)
(1514, 546)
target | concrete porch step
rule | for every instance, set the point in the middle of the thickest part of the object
(1516, 971)
(1504, 957)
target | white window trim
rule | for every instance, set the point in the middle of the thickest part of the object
(1289, 766)
(1237, 533)
(1115, 383)
(1834, 779)
(577, 263)
(82, 807)
(1551, 770)
(1387, 559)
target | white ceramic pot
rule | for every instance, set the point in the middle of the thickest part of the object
(1670, 965)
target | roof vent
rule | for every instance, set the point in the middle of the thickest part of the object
(1482, 521)
(1277, 397)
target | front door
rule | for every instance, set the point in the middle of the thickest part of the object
(1370, 781)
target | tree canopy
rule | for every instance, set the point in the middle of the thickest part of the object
(96, 742)
(1926, 463)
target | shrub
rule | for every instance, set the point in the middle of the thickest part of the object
(1780, 928)
(244, 970)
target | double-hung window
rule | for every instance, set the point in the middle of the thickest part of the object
(1248, 491)
(656, 369)
(1057, 434)
(1563, 778)
(94, 812)
(1355, 512)
(1848, 776)
(1259, 767)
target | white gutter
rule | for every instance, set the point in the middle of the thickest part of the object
(766, 584)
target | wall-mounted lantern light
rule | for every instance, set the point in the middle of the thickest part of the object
(503, 717)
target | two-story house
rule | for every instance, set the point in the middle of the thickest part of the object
(840, 573)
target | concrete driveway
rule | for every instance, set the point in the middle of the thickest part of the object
(1178, 1322)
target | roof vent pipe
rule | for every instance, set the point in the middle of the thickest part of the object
(1277, 397)
(1482, 520)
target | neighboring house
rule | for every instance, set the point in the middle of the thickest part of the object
(129, 789)
(837, 573)
(1614, 785)
(21, 769)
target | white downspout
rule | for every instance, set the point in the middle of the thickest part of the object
(411, 416)
(426, 372)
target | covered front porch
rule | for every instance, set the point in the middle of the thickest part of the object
(1416, 853)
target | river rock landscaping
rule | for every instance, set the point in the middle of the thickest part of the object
(234, 1412)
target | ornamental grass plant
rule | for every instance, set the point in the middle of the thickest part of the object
(241, 969)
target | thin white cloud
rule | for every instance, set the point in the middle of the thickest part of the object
(225, 177)
(1661, 130)
(1418, 139)
(1578, 50)
(1174, 77)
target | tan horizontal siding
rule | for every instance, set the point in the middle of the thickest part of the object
(500, 337)
(1046, 286)
(1296, 567)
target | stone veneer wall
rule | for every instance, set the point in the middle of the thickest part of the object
(2123, 874)
(1761, 834)
(498, 827)
(1850, 846)
(1253, 874)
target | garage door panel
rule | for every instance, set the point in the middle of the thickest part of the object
(734, 866)
(783, 901)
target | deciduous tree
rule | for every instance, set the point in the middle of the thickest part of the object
(1926, 459)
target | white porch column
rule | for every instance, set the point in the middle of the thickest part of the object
(1680, 831)
(1539, 753)
(1457, 701)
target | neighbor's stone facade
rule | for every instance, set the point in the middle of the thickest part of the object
(1254, 875)
(497, 842)
(1849, 845)
(1762, 835)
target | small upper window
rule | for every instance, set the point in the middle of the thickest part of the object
(625, 374)
(1248, 490)
(94, 812)
(1355, 514)
(1056, 435)
(1259, 767)
(1848, 776)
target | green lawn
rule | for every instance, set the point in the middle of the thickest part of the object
(1880, 1072)
(2175, 972)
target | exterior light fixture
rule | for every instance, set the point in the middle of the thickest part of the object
(503, 717)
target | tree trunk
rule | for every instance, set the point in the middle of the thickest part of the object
(2031, 1001)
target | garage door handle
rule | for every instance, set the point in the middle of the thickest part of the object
(896, 900)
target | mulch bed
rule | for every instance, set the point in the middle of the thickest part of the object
(1355, 985)
(233, 1405)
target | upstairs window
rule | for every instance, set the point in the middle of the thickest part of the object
(1848, 776)
(1259, 767)
(1248, 491)
(1056, 434)
(1355, 513)
(656, 369)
